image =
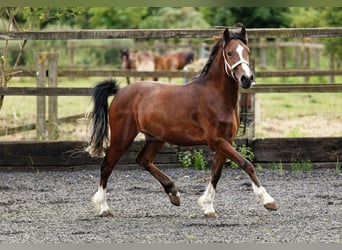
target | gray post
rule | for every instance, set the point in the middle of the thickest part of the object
(41, 59)
(52, 108)
(41, 128)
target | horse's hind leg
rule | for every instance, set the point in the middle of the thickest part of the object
(145, 159)
(118, 146)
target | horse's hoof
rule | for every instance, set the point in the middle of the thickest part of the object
(175, 199)
(211, 215)
(271, 206)
(106, 214)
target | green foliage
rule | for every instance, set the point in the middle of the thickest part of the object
(185, 157)
(193, 158)
(296, 132)
(320, 17)
(302, 165)
(253, 17)
(168, 17)
(199, 160)
(246, 153)
(114, 18)
(38, 18)
(278, 166)
(338, 167)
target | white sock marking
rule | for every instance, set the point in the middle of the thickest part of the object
(262, 194)
(206, 201)
(99, 199)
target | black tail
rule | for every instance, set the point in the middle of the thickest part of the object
(99, 116)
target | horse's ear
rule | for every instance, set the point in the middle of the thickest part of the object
(243, 32)
(226, 37)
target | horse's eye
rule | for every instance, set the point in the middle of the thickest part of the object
(229, 53)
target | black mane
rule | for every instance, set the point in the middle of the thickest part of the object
(212, 57)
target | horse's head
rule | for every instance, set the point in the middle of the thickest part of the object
(235, 56)
(124, 55)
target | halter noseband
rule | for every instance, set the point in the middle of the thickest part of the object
(231, 68)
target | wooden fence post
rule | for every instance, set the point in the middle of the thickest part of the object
(41, 128)
(307, 60)
(247, 110)
(263, 54)
(41, 58)
(331, 67)
(52, 82)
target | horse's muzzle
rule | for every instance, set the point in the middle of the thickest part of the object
(247, 81)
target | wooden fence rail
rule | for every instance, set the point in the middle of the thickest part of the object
(320, 152)
(167, 33)
(258, 88)
(175, 74)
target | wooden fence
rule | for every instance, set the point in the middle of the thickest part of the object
(61, 155)
(321, 151)
(167, 33)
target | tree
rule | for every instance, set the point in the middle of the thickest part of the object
(321, 17)
(9, 23)
(27, 18)
(174, 18)
(253, 17)
(114, 18)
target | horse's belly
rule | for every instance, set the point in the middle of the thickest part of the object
(178, 134)
(184, 137)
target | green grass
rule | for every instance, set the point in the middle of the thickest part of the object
(278, 166)
(299, 114)
(302, 165)
(296, 104)
(282, 107)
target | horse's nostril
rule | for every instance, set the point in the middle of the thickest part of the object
(246, 81)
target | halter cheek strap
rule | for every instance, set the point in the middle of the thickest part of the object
(231, 68)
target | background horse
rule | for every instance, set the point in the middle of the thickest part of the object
(137, 60)
(142, 60)
(204, 112)
(148, 61)
(176, 60)
(126, 62)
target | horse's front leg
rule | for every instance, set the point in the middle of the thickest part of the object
(227, 149)
(206, 201)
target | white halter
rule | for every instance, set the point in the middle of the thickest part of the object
(231, 68)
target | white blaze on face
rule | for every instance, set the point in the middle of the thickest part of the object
(244, 65)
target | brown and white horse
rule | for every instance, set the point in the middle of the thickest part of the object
(137, 60)
(176, 60)
(203, 112)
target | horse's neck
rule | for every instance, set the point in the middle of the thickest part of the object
(226, 86)
(231, 92)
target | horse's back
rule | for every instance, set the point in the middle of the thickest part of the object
(156, 109)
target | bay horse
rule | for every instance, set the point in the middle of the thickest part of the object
(204, 112)
(176, 60)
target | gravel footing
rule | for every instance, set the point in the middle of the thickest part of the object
(54, 206)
